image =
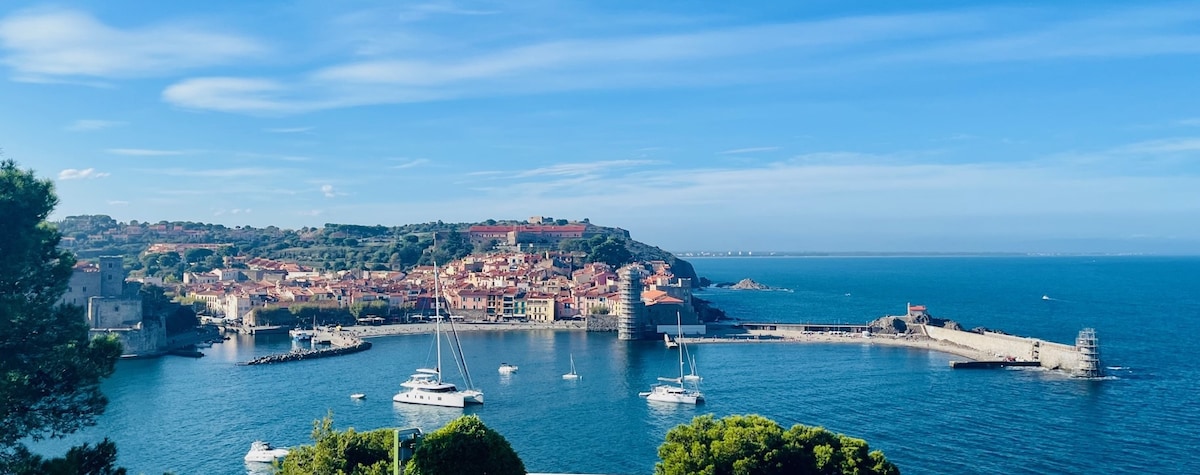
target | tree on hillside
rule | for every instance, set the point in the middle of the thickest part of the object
(755, 445)
(192, 256)
(612, 252)
(50, 370)
(465, 447)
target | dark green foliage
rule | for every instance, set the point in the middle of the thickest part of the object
(611, 251)
(349, 452)
(193, 256)
(50, 370)
(465, 447)
(755, 445)
(80, 460)
(157, 304)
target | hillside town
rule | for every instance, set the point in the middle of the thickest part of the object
(524, 274)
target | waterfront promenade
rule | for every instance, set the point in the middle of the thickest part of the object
(370, 331)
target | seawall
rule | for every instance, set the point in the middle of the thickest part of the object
(1051, 355)
(343, 344)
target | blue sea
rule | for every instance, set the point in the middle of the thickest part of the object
(199, 416)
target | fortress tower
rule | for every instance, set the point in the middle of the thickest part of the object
(112, 276)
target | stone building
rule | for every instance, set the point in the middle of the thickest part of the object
(99, 288)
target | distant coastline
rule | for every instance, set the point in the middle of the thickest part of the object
(779, 254)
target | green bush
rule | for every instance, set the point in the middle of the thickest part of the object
(465, 447)
(755, 445)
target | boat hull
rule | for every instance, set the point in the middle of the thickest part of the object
(443, 399)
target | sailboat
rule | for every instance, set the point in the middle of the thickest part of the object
(675, 392)
(426, 385)
(692, 364)
(572, 374)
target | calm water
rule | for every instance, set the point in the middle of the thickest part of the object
(196, 416)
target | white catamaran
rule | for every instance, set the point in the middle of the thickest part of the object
(426, 385)
(674, 392)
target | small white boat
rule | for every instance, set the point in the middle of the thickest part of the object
(506, 368)
(669, 343)
(358, 396)
(572, 374)
(262, 452)
(1045, 297)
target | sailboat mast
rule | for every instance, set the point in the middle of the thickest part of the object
(679, 332)
(437, 314)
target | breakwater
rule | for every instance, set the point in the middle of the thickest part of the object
(342, 344)
(1049, 355)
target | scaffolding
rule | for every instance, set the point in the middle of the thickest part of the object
(1088, 347)
(629, 320)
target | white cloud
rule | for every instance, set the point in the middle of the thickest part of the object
(586, 168)
(145, 152)
(703, 57)
(215, 173)
(737, 151)
(407, 163)
(1175, 145)
(48, 43)
(329, 192)
(288, 130)
(118, 203)
(84, 125)
(80, 174)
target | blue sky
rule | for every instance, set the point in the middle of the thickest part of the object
(817, 125)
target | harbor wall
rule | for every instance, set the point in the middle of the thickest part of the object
(1051, 355)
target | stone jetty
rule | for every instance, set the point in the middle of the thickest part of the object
(343, 344)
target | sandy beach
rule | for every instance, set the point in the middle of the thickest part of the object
(716, 335)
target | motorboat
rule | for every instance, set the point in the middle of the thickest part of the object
(426, 386)
(262, 452)
(572, 374)
(506, 368)
(301, 335)
(357, 396)
(1045, 297)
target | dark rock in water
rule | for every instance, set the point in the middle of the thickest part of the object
(749, 284)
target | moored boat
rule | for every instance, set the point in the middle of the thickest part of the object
(262, 452)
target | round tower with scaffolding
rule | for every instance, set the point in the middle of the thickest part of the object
(1088, 347)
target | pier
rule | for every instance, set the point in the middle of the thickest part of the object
(993, 364)
(343, 343)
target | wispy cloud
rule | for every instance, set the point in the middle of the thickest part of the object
(1175, 145)
(1194, 122)
(587, 168)
(702, 57)
(145, 152)
(738, 151)
(86, 125)
(330, 192)
(118, 203)
(410, 163)
(52, 42)
(215, 172)
(80, 174)
(288, 130)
